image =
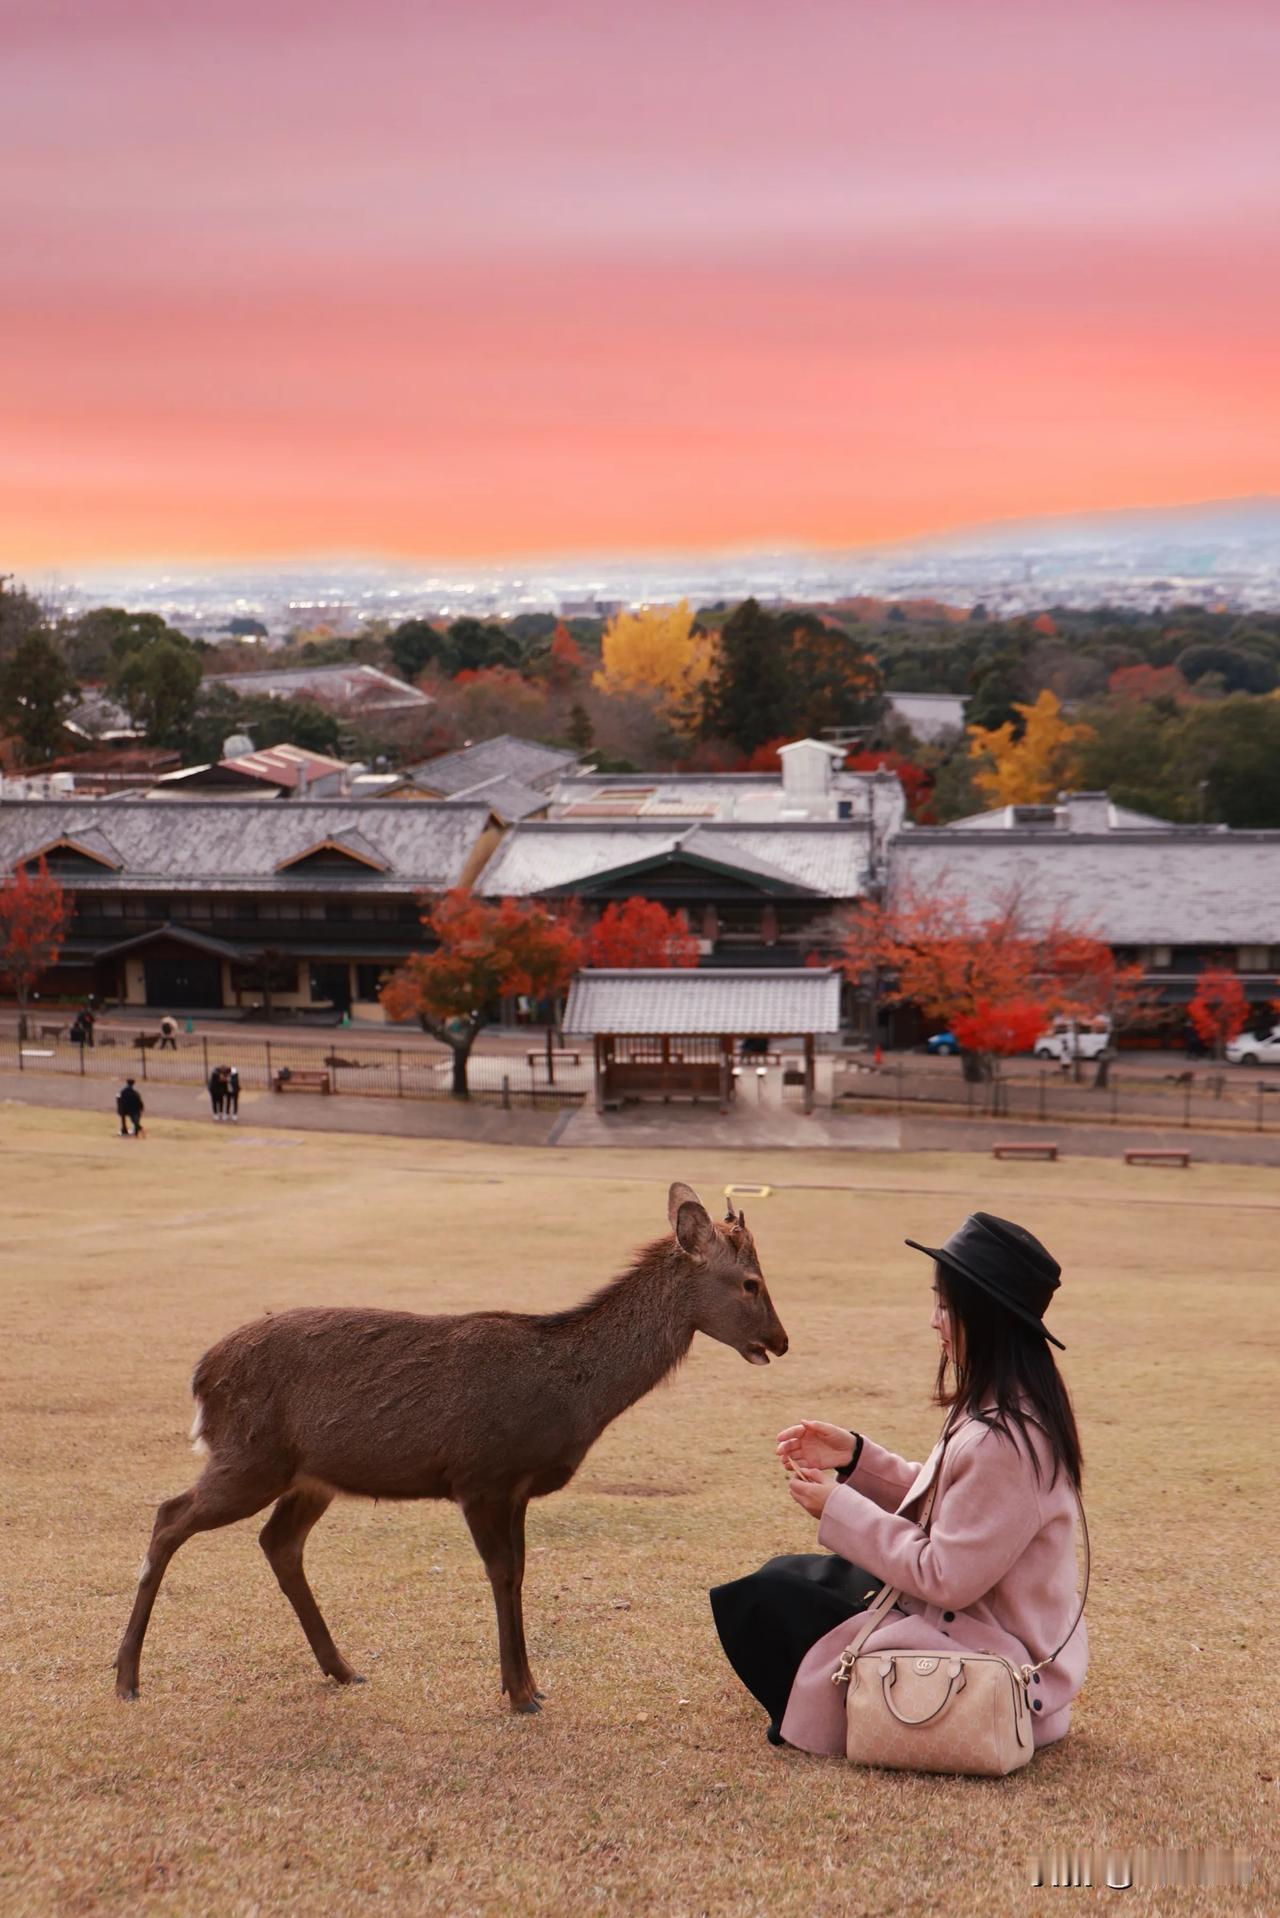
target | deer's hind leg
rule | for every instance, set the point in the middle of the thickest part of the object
(282, 1538)
(219, 1498)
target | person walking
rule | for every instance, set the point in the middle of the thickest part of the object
(218, 1091)
(994, 1569)
(168, 1033)
(130, 1108)
(233, 1093)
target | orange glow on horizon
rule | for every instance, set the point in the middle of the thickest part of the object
(318, 317)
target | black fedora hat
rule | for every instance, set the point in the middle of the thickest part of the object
(1007, 1262)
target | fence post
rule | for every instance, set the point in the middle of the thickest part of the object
(1261, 1094)
(142, 1054)
(82, 1066)
(1115, 1096)
(204, 1049)
(267, 1044)
(399, 1077)
(1042, 1113)
(1186, 1105)
(18, 1043)
(506, 1092)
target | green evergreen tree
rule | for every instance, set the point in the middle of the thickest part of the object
(37, 689)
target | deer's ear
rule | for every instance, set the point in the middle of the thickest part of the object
(681, 1195)
(694, 1230)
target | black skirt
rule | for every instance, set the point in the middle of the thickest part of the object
(770, 1619)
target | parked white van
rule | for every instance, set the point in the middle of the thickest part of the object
(1069, 1039)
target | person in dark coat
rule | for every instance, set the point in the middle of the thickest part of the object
(218, 1091)
(129, 1106)
(233, 1093)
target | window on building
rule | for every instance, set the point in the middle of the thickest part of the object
(1254, 959)
(1159, 958)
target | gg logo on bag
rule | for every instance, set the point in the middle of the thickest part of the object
(926, 1665)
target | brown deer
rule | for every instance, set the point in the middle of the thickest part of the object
(489, 1409)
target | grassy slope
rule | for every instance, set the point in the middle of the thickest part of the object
(242, 1783)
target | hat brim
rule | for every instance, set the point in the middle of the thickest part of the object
(976, 1278)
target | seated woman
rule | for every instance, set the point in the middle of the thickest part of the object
(995, 1568)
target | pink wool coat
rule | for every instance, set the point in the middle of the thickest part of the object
(996, 1572)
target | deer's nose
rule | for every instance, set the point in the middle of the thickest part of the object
(778, 1343)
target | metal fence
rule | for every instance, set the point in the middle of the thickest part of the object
(1204, 1097)
(383, 1071)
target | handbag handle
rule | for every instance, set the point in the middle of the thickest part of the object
(955, 1683)
(888, 1595)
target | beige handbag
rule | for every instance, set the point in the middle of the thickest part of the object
(965, 1712)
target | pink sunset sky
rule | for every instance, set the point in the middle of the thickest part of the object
(496, 280)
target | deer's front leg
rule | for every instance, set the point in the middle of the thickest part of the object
(491, 1523)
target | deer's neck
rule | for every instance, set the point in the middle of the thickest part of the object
(632, 1334)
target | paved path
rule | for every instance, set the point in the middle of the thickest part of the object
(747, 1127)
(298, 1111)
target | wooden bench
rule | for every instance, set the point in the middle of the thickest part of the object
(559, 1057)
(1025, 1149)
(1155, 1155)
(50, 1032)
(291, 1079)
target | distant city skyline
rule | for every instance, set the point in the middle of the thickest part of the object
(499, 283)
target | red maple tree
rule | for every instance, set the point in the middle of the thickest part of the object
(33, 918)
(641, 932)
(916, 783)
(483, 953)
(996, 980)
(1219, 1010)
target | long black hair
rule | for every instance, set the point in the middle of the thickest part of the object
(1007, 1367)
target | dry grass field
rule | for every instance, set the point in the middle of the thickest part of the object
(242, 1783)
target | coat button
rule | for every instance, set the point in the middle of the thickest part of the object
(1035, 1705)
(1035, 1678)
(948, 1616)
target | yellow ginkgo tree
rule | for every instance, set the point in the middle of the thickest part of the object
(1031, 767)
(657, 650)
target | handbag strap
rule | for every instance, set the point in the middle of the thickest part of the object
(888, 1595)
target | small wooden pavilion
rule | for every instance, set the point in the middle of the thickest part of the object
(673, 1034)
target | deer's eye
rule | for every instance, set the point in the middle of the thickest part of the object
(751, 1287)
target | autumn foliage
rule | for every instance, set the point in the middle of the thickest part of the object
(33, 916)
(641, 932)
(996, 980)
(482, 954)
(1219, 1010)
(657, 650)
(1030, 767)
(916, 783)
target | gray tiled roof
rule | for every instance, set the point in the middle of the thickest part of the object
(1179, 886)
(929, 715)
(728, 1003)
(341, 686)
(828, 860)
(511, 799)
(523, 760)
(209, 845)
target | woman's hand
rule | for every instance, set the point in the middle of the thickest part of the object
(825, 1447)
(810, 1488)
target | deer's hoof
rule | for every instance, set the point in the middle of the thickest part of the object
(126, 1692)
(347, 1677)
(526, 1705)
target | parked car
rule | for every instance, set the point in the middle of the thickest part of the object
(1251, 1050)
(944, 1044)
(1069, 1039)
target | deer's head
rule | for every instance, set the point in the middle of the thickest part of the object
(730, 1298)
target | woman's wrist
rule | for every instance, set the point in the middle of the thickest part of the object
(844, 1472)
